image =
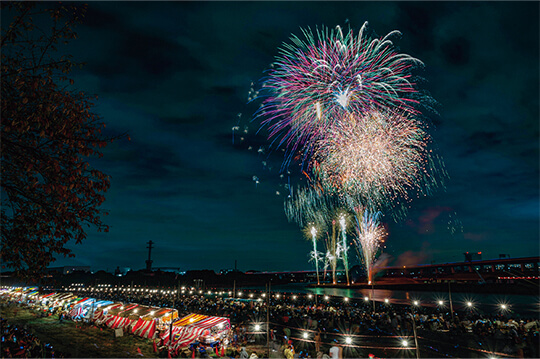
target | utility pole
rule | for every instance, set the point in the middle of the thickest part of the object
(268, 317)
(172, 312)
(450, 298)
(149, 260)
(373, 295)
(415, 338)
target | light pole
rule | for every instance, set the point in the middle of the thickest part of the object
(170, 325)
(268, 318)
(450, 298)
(373, 294)
(415, 338)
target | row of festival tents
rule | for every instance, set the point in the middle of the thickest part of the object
(138, 319)
(144, 321)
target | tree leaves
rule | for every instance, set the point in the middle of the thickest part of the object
(48, 132)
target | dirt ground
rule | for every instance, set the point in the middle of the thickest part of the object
(76, 340)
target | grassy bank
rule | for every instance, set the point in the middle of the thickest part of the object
(76, 340)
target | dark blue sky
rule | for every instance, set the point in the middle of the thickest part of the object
(175, 76)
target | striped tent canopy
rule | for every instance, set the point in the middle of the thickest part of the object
(44, 296)
(145, 328)
(33, 293)
(101, 314)
(194, 327)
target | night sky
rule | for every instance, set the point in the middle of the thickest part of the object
(176, 75)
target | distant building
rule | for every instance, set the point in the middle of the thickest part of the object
(68, 269)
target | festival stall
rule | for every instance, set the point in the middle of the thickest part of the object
(86, 307)
(101, 314)
(61, 300)
(20, 294)
(145, 323)
(154, 319)
(118, 317)
(196, 328)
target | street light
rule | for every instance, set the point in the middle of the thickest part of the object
(411, 317)
(348, 340)
(305, 335)
(404, 343)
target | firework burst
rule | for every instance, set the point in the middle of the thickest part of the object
(315, 81)
(379, 158)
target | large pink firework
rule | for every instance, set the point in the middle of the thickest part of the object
(315, 81)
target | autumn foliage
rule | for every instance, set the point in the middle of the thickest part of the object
(50, 193)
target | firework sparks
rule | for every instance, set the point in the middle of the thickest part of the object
(370, 235)
(344, 248)
(315, 255)
(315, 81)
(346, 107)
(379, 158)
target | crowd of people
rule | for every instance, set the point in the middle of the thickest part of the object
(331, 320)
(326, 324)
(20, 343)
